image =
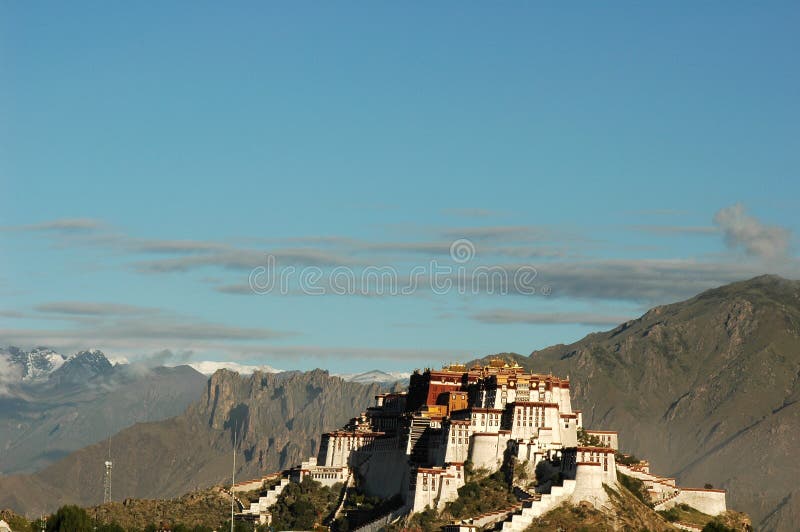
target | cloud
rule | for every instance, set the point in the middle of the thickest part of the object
(502, 316)
(244, 260)
(501, 233)
(208, 367)
(560, 266)
(471, 213)
(164, 357)
(640, 280)
(646, 281)
(677, 229)
(657, 212)
(174, 246)
(746, 232)
(10, 373)
(83, 308)
(128, 331)
(62, 225)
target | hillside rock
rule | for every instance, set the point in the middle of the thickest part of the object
(707, 389)
(277, 418)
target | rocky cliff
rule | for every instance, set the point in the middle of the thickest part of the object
(277, 419)
(707, 389)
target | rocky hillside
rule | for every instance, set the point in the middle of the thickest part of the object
(707, 389)
(277, 418)
(58, 404)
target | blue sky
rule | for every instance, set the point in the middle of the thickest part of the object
(153, 154)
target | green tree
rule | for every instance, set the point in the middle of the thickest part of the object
(238, 526)
(70, 519)
(110, 527)
(716, 526)
(589, 440)
(304, 514)
(670, 515)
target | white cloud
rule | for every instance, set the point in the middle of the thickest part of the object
(746, 232)
(503, 316)
(9, 374)
(208, 367)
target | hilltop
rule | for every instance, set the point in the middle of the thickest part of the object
(706, 389)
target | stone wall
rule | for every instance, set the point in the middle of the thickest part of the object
(711, 502)
(488, 450)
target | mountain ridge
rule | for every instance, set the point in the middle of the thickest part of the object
(700, 384)
(697, 384)
(276, 419)
(79, 401)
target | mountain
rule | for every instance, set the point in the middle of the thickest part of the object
(376, 375)
(706, 389)
(80, 368)
(277, 420)
(33, 365)
(56, 408)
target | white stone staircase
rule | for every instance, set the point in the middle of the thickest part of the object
(229, 493)
(660, 504)
(264, 502)
(538, 506)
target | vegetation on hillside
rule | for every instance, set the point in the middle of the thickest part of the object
(360, 509)
(204, 509)
(636, 487)
(482, 493)
(588, 440)
(304, 505)
(626, 459)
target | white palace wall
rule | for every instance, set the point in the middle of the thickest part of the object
(488, 450)
(609, 438)
(434, 487)
(711, 502)
(589, 480)
(385, 474)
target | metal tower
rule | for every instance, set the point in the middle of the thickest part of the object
(107, 476)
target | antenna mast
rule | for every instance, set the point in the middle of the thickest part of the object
(233, 474)
(107, 476)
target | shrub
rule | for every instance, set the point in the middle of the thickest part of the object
(480, 496)
(587, 439)
(70, 519)
(301, 506)
(716, 526)
(635, 486)
(670, 515)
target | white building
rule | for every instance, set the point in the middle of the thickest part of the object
(415, 444)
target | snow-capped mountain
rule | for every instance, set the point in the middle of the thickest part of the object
(41, 364)
(34, 365)
(208, 367)
(51, 405)
(81, 367)
(375, 375)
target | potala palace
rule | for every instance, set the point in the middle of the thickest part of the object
(415, 444)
